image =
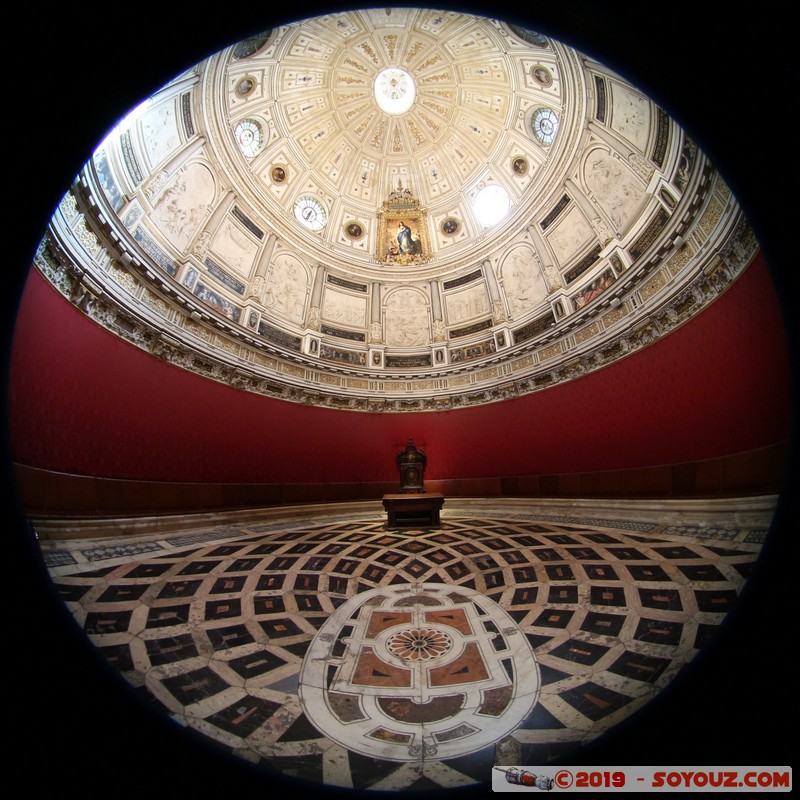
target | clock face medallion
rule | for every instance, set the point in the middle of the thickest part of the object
(249, 137)
(544, 124)
(310, 212)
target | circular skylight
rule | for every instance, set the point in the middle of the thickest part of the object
(394, 90)
(491, 204)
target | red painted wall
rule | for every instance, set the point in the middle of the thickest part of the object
(83, 401)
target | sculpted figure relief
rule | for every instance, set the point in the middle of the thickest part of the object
(468, 304)
(234, 248)
(185, 204)
(570, 235)
(287, 286)
(406, 319)
(522, 281)
(160, 133)
(345, 309)
(613, 186)
(631, 116)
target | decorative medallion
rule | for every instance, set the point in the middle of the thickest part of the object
(354, 230)
(402, 230)
(419, 644)
(278, 173)
(416, 670)
(542, 75)
(245, 86)
(450, 226)
(520, 165)
(669, 201)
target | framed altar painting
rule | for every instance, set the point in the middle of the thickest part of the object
(402, 231)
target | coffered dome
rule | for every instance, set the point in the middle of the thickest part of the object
(396, 210)
(241, 225)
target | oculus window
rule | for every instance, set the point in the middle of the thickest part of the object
(394, 91)
(491, 205)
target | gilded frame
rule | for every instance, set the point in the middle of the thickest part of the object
(390, 221)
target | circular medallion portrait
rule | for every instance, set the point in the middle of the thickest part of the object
(520, 166)
(354, 230)
(246, 86)
(542, 75)
(450, 226)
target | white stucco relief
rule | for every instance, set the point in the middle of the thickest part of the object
(630, 116)
(522, 281)
(234, 248)
(160, 133)
(183, 207)
(613, 187)
(345, 308)
(286, 287)
(467, 304)
(567, 237)
(406, 319)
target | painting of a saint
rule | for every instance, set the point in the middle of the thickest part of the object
(402, 234)
(407, 242)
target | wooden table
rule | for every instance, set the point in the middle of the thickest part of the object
(413, 510)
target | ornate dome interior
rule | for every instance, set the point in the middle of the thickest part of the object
(396, 212)
(396, 209)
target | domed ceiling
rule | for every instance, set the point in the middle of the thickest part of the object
(396, 210)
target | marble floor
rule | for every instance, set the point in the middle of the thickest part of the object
(326, 648)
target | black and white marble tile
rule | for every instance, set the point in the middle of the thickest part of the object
(293, 646)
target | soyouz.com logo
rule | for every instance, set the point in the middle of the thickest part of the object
(642, 779)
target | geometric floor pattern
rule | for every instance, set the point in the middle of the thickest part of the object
(343, 653)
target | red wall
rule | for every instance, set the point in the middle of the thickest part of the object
(83, 401)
